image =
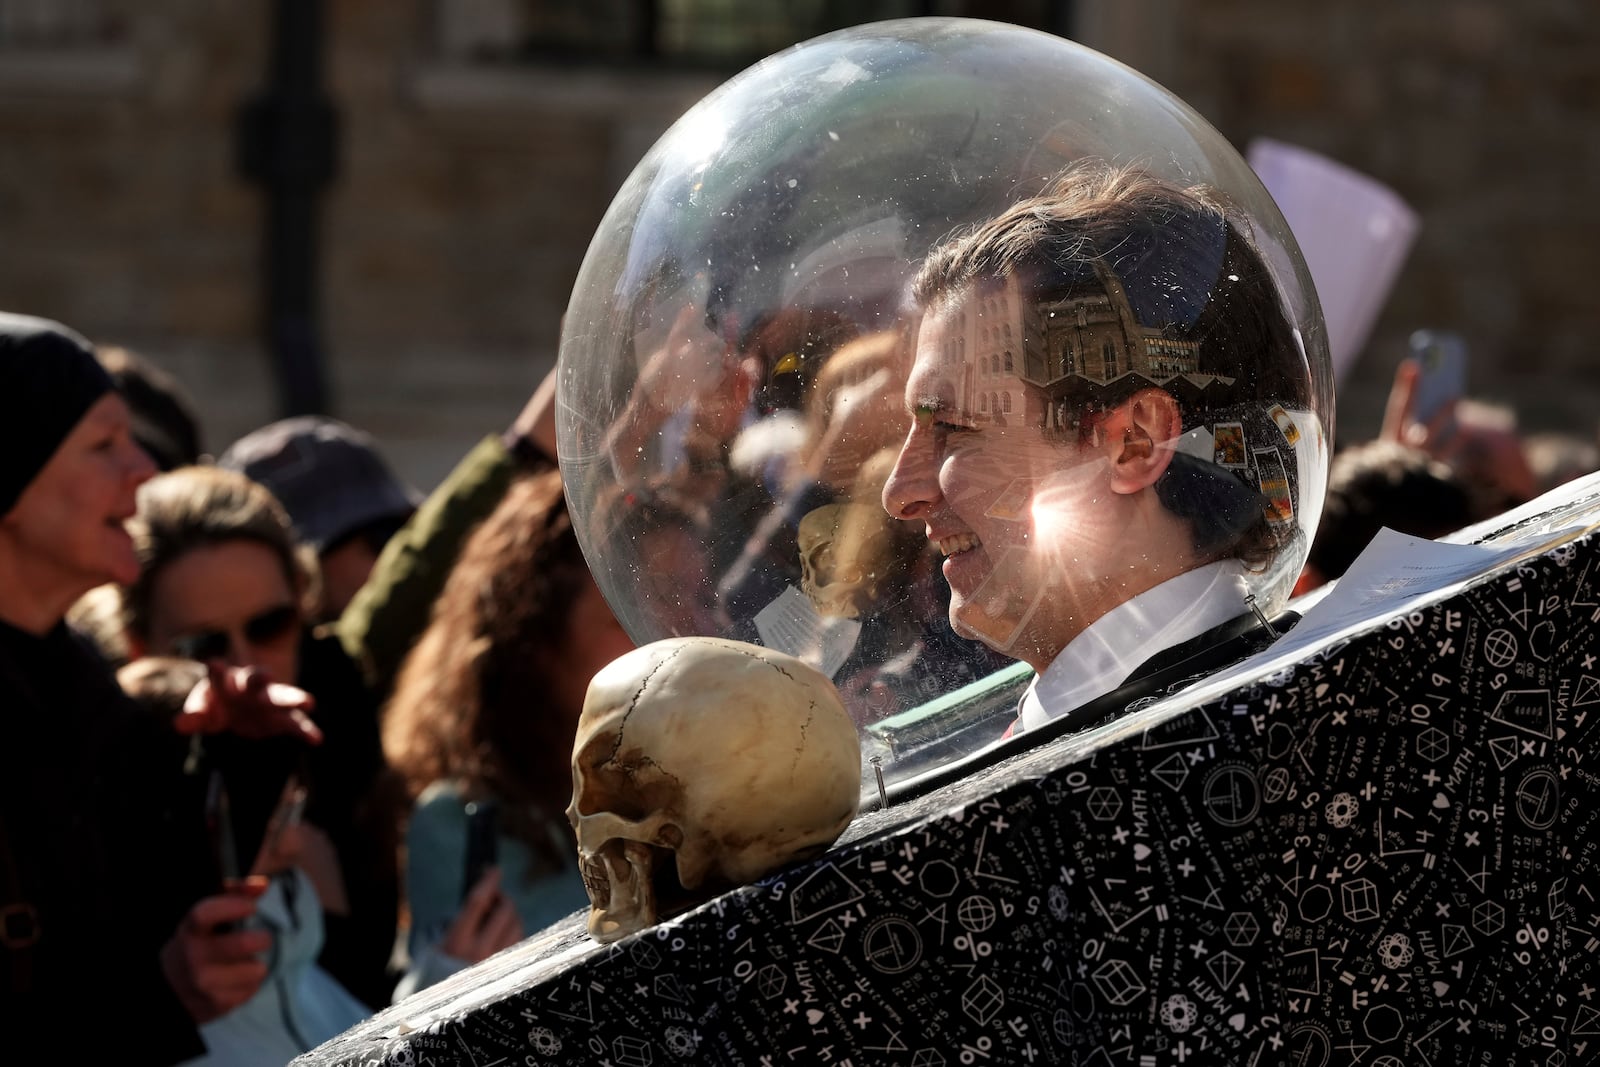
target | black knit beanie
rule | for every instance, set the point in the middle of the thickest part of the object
(48, 379)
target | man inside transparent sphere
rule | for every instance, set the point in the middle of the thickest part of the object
(1105, 405)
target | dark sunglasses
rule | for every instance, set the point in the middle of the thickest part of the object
(264, 629)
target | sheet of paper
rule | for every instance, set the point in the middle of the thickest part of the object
(1353, 230)
(791, 624)
(1395, 572)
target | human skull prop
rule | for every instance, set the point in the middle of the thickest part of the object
(845, 554)
(715, 761)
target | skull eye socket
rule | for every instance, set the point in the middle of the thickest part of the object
(621, 782)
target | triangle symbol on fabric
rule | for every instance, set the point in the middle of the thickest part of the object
(1505, 750)
(1588, 691)
(1191, 729)
(1528, 710)
(1171, 772)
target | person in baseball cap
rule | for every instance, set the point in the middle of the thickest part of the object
(344, 499)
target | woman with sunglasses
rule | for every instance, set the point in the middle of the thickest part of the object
(220, 574)
(223, 580)
(109, 911)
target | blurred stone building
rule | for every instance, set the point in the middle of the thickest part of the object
(476, 144)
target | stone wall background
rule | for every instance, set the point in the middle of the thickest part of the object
(467, 194)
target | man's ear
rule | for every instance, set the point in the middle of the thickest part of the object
(1139, 436)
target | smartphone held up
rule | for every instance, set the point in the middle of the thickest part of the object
(1440, 358)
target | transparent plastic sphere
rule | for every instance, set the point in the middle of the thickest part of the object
(940, 352)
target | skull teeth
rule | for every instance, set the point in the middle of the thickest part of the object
(592, 869)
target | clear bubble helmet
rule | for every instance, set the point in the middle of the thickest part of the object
(937, 353)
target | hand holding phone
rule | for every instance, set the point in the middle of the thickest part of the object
(219, 828)
(1441, 361)
(482, 843)
(286, 816)
(487, 922)
(213, 960)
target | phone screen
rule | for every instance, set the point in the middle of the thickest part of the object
(291, 806)
(1441, 360)
(219, 827)
(482, 846)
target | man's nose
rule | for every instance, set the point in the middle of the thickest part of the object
(913, 484)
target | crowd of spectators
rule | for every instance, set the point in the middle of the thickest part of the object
(287, 740)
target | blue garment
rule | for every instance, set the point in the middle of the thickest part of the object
(300, 1005)
(436, 856)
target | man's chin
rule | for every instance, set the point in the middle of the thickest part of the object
(968, 622)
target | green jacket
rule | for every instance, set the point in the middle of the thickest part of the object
(393, 607)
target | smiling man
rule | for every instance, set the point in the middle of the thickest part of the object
(1110, 413)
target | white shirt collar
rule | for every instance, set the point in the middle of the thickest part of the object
(1112, 647)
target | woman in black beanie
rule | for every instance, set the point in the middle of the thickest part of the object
(113, 922)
